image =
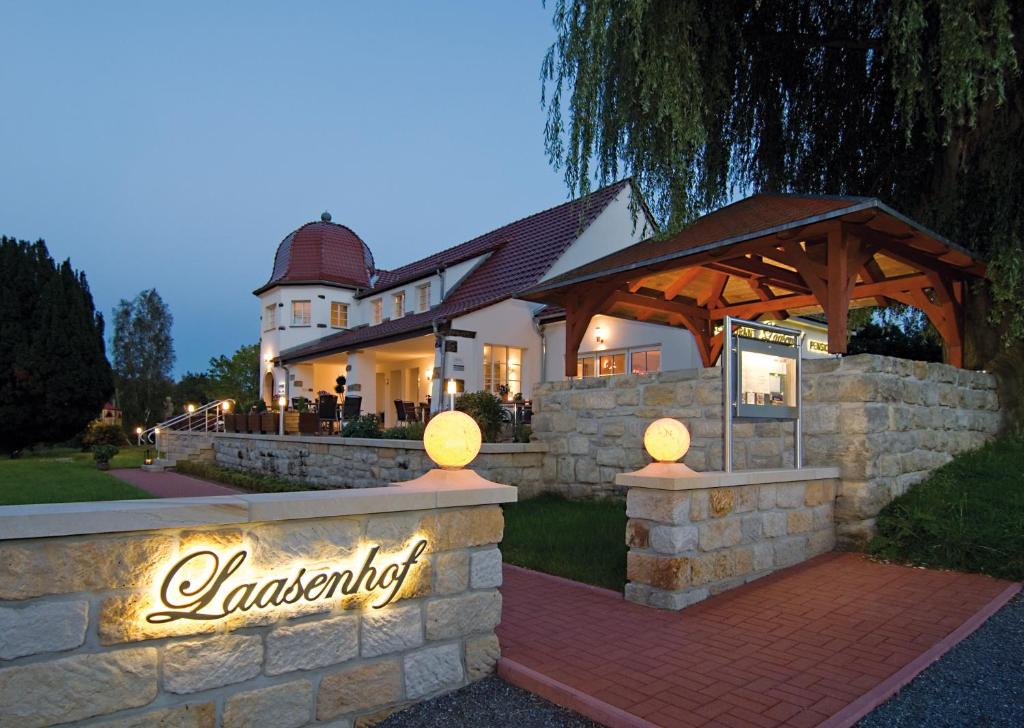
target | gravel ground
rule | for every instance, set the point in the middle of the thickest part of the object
(980, 682)
(489, 703)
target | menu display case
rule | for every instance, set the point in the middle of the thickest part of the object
(766, 379)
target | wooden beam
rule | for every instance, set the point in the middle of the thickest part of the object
(764, 293)
(837, 301)
(757, 267)
(682, 280)
(713, 297)
(586, 302)
(657, 304)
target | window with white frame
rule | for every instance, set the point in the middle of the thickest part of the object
(398, 305)
(423, 296)
(584, 366)
(339, 315)
(611, 364)
(646, 361)
(270, 317)
(503, 370)
(377, 307)
(302, 313)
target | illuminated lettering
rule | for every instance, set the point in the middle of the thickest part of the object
(199, 587)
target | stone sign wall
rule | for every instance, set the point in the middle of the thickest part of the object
(84, 632)
(885, 422)
(723, 531)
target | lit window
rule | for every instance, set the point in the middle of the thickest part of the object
(270, 317)
(378, 310)
(612, 364)
(339, 315)
(301, 313)
(398, 305)
(645, 362)
(423, 293)
(585, 366)
(503, 370)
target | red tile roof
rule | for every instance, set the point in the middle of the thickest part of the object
(520, 253)
(322, 252)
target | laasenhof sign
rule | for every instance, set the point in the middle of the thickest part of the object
(205, 585)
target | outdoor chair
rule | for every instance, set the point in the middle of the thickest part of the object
(410, 412)
(351, 408)
(400, 410)
(327, 412)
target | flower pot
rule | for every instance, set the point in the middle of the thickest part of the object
(252, 423)
(309, 423)
(268, 423)
(229, 423)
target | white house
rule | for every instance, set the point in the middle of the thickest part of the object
(327, 311)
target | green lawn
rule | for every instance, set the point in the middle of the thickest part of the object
(580, 540)
(62, 475)
(968, 515)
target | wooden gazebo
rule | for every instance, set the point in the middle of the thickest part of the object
(772, 256)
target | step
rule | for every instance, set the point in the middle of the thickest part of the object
(160, 465)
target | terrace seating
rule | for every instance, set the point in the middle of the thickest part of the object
(411, 415)
(327, 413)
(400, 410)
(351, 408)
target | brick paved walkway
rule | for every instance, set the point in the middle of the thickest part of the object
(824, 641)
(171, 485)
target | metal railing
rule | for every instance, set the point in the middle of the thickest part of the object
(208, 418)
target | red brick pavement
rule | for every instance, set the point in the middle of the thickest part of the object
(171, 485)
(818, 641)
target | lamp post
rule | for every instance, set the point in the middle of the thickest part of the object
(451, 392)
(190, 409)
(138, 434)
(281, 402)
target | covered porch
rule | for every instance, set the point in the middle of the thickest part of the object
(773, 256)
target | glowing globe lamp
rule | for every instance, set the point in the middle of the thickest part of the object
(452, 439)
(667, 440)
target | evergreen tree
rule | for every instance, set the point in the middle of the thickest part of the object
(54, 373)
(143, 357)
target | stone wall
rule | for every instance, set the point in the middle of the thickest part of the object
(335, 462)
(74, 645)
(885, 422)
(685, 545)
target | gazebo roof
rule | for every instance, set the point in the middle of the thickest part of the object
(773, 255)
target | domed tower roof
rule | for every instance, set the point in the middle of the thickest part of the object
(322, 252)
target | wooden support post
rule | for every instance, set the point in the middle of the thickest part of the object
(589, 301)
(837, 304)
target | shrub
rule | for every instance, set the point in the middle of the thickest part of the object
(362, 426)
(98, 433)
(252, 482)
(486, 409)
(104, 453)
(412, 431)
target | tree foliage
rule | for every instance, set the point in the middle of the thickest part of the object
(143, 357)
(917, 102)
(54, 374)
(236, 377)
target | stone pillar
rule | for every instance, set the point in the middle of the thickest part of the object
(692, 537)
(362, 378)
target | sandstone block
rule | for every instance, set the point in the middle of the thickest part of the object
(450, 617)
(77, 687)
(482, 655)
(659, 395)
(720, 502)
(658, 505)
(464, 527)
(819, 492)
(664, 572)
(391, 531)
(432, 669)
(34, 567)
(190, 715)
(774, 524)
(763, 555)
(310, 645)
(720, 534)
(745, 498)
(673, 539)
(798, 521)
(211, 662)
(452, 569)
(765, 497)
(660, 599)
(359, 688)
(288, 705)
(485, 569)
(392, 629)
(700, 507)
(752, 527)
(789, 495)
(638, 533)
(791, 550)
(42, 627)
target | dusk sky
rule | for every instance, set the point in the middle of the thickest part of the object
(174, 146)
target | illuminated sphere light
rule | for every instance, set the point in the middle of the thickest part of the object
(452, 439)
(667, 440)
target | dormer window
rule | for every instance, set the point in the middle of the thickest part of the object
(302, 313)
(398, 304)
(378, 310)
(423, 297)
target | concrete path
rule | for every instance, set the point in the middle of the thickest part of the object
(171, 485)
(822, 643)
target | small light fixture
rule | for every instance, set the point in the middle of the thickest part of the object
(666, 440)
(597, 335)
(138, 430)
(190, 408)
(226, 405)
(282, 401)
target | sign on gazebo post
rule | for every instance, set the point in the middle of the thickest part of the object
(761, 379)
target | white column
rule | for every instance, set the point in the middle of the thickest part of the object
(363, 374)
